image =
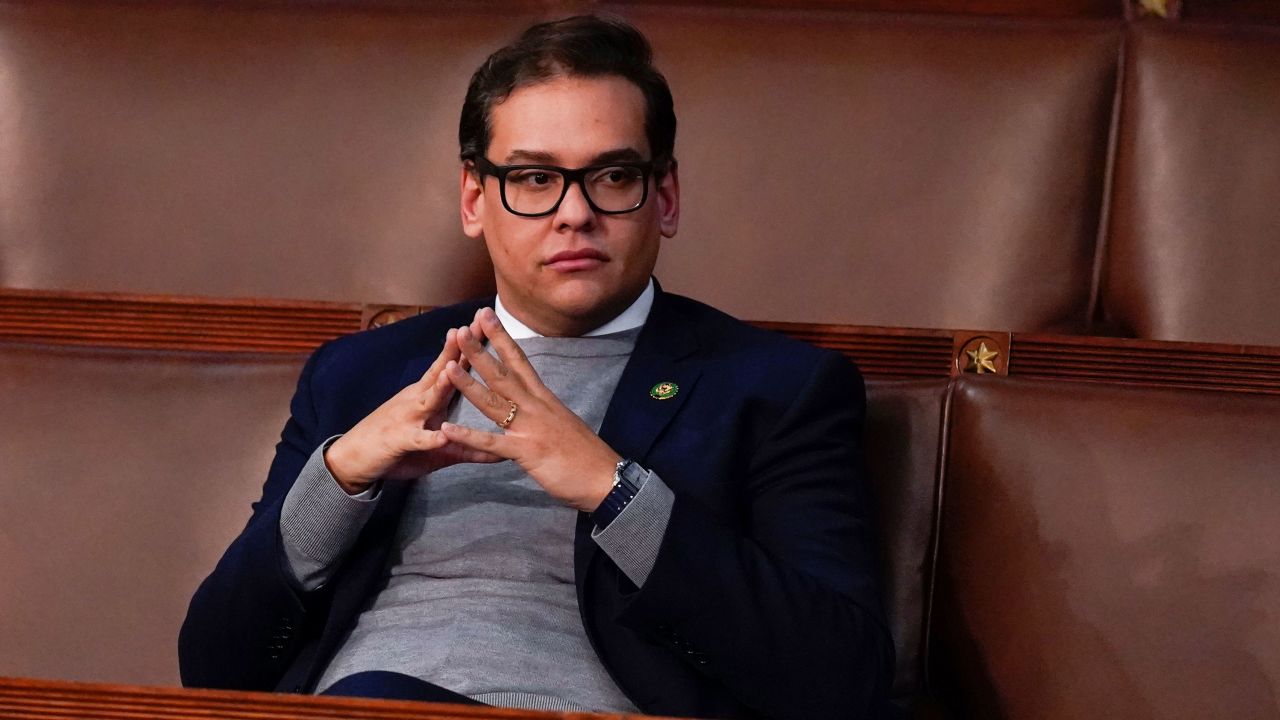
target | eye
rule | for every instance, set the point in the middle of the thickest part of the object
(530, 177)
(533, 179)
(616, 176)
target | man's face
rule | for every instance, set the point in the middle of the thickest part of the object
(573, 270)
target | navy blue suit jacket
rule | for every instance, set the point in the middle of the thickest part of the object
(763, 600)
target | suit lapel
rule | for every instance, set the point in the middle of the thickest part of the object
(635, 417)
(414, 369)
(665, 352)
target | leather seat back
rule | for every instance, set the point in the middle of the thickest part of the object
(889, 170)
(1192, 252)
(912, 171)
(123, 477)
(904, 431)
(1109, 552)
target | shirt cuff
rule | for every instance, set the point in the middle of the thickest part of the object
(319, 521)
(633, 538)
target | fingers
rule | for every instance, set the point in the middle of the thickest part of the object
(494, 372)
(435, 398)
(508, 351)
(511, 370)
(463, 454)
(489, 403)
(425, 440)
(484, 443)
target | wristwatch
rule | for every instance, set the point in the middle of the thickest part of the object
(627, 478)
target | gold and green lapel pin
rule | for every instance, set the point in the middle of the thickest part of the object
(664, 390)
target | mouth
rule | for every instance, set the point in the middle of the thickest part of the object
(569, 261)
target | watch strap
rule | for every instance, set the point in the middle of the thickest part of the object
(627, 478)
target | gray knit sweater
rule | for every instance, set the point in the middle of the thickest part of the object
(479, 595)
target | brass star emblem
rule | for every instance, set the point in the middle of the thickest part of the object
(980, 360)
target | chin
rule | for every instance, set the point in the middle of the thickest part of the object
(583, 297)
(596, 307)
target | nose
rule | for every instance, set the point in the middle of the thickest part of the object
(575, 212)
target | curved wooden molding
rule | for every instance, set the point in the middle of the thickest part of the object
(276, 326)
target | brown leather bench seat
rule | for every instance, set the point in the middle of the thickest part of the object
(1101, 551)
(1100, 547)
(126, 472)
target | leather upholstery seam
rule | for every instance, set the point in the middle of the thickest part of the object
(944, 439)
(1102, 237)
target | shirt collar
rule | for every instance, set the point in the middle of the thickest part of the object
(633, 317)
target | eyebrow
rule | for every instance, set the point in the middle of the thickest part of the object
(538, 157)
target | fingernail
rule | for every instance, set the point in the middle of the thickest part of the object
(490, 317)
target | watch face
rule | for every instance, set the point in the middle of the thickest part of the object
(632, 473)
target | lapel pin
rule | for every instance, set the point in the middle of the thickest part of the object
(664, 390)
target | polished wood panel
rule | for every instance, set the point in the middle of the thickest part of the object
(172, 322)
(1203, 366)
(56, 699)
(879, 352)
(245, 325)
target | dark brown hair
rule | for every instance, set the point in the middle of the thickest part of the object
(581, 46)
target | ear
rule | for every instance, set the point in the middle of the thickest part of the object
(668, 192)
(472, 201)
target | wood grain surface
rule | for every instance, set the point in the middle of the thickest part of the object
(234, 325)
(58, 699)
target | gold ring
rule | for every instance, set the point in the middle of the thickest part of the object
(510, 416)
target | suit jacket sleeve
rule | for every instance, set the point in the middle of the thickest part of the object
(246, 619)
(778, 600)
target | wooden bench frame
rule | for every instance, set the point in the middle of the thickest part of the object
(57, 699)
(164, 322)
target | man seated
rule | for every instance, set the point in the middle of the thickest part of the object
(583, 494)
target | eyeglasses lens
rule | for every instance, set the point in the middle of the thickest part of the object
(536, 191)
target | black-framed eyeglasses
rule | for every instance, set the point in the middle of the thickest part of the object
(537, 190)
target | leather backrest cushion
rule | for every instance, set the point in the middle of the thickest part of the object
(888, 170)
(904, 422)
(869, 169)
(123, 477)
(1110, 552)
(300, 152)
(1192, 252)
